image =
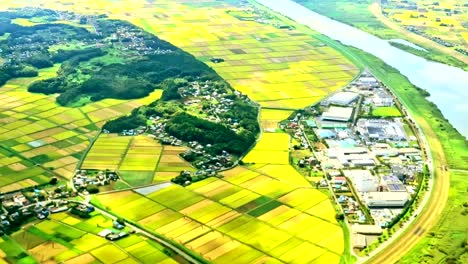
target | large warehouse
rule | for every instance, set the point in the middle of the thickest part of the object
(386, 199)
(343, 98)
(341, 114)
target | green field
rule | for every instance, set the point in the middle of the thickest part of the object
(386, 112)
(66, 238)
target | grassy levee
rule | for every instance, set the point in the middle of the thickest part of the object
(446, 243)
(95, 202)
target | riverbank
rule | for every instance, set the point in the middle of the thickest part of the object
(367, 16)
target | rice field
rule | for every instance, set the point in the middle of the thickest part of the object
(269, 118)
(244, 213)
(266, 212)
(272, 148)
(40, 139)
(442, 19)
(65, 238)
(278, 68)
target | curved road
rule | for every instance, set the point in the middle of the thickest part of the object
(183, 254)
(430, 214)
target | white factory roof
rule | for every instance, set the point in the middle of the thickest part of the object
(366, 229)
(343, 98)
(338, 113)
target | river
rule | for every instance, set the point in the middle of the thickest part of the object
(447, 85)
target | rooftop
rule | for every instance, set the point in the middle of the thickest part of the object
(338, 113)
(343, 98)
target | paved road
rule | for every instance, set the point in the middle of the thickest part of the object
(186, 256)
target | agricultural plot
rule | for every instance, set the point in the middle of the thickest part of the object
(139, 163)
(279, 68)
(269, 118)
(244, 212)
(442, 19)
(273, 148)
(65, 238)
(40, 139)
(171, 164)
(107, 152)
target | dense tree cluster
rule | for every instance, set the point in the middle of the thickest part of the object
(131, 121)
(190, 128)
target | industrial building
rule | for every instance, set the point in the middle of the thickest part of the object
(341, 114)
(342, 98)
(381, 130)
(386, 199)
(362, 180)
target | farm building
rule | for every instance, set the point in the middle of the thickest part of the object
(386, 199)
(341, 114)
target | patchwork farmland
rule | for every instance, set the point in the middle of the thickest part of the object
(75, 240)
(245, 213)
(263, 212)
(40, 139)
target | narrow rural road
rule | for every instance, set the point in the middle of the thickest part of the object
(147, 234)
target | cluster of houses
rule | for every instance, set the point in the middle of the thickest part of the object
(134, 39)
(202, 96)
(21, 205)
(370, 164)
(116, 232)
(83, 180)
(260, 16)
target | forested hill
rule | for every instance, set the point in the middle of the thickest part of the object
(100, 58)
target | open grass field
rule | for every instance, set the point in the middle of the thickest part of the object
(446, 241)
(65, 238)
(386, 112)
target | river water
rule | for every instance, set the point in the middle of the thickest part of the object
(447, 85)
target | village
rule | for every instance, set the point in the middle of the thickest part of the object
(368, 151)
(208, 101)
(38, 203)
(121, 37)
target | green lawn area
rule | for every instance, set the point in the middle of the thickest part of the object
(390, 111)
